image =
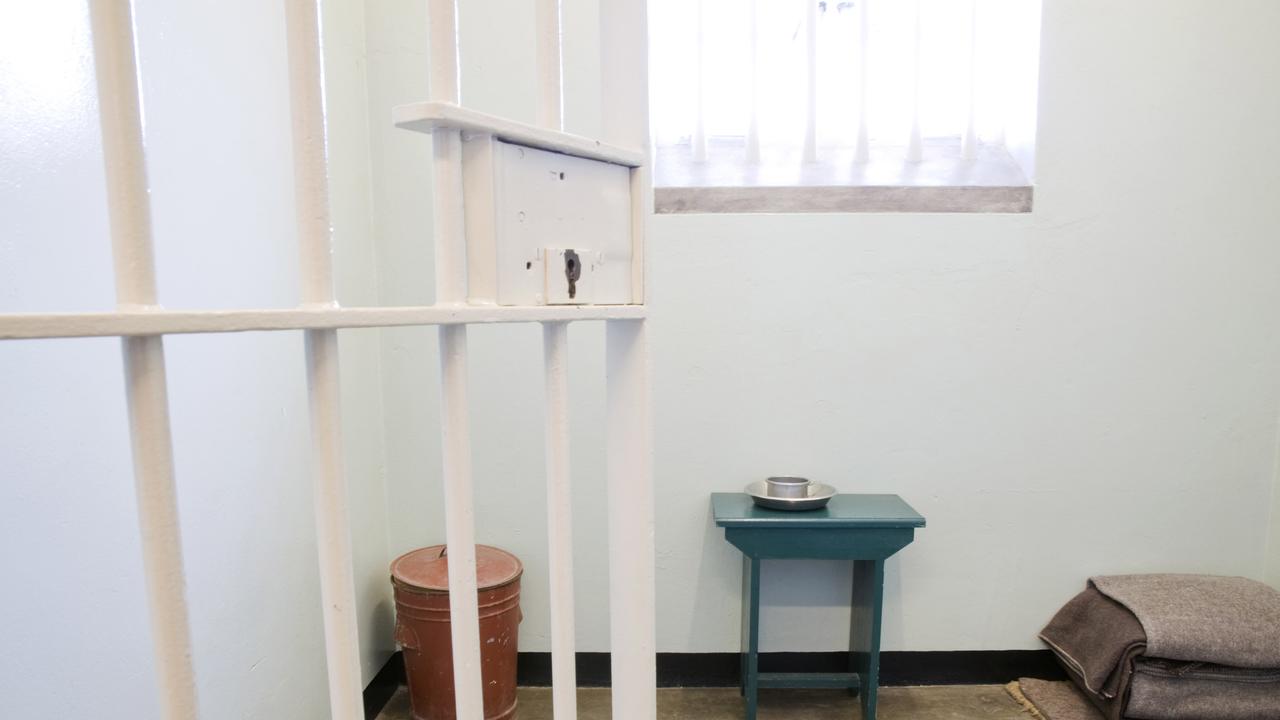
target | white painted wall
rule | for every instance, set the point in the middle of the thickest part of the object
(69, 548)
(1090, 388)
(73, 621)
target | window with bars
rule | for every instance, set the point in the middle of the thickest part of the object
(844, 105)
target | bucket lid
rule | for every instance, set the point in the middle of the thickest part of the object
(428, 568)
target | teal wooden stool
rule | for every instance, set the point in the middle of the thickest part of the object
(866, 529)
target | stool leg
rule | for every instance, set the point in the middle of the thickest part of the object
(750, 633)
(864, 631)
(745, 636)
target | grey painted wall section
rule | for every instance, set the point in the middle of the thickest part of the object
(1066, 392)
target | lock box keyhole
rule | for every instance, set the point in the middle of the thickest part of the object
(572, 271)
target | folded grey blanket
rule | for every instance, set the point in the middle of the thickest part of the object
(1202, 618)
(1169, 647)
(1175, 690)
(1097, 639)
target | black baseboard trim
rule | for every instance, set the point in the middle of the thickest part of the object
(971, 667)
(963, 667)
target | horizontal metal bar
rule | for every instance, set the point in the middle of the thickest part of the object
(428, 116)
(173, 322)
(808, 680)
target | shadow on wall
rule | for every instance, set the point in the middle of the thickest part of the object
(715, 591)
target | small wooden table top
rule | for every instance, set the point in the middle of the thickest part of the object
(866, 529)
(858, 511)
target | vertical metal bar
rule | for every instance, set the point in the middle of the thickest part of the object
(555, 349)
(315, 249)
(333, 528)
(811, 80)
(555, 343)
(700, 83)
(310, 162)
(120, 115)
(158, 522)
(969, 142)
(624, 47)
(631, 542)
(915, 151)
(442, 37)
(753, 61)
(479, 168)
(641, 209)
(862, 146)
(450, 237)
(550, 68)
(451, 273)
(460, 522)
(130, 222)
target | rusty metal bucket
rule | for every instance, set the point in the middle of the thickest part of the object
(421, 582)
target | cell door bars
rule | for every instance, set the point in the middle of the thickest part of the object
(141, 323)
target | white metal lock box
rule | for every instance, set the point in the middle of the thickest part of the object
(545, 228)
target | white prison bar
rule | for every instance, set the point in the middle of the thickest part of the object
(555, 350)
(445, 73)
(915, 151)
(631, 541)
(130, 222)
(460, 522)
(550, 73)
(138, 322)
(159, 524)
(333, 528)
(478, 176)
(445, 115)
(624, 114)
(862, 147)
(315, 255)
(753, 62)
(555, 344)
(811, 80)
(455, 430)
(969, 143)
(641, 209)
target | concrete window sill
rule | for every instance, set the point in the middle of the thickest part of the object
(781, 183)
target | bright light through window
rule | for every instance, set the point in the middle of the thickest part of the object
(959, 75)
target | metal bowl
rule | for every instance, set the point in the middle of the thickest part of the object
(787, 486)
(818, 496)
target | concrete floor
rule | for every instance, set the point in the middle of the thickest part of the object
(953, 702)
